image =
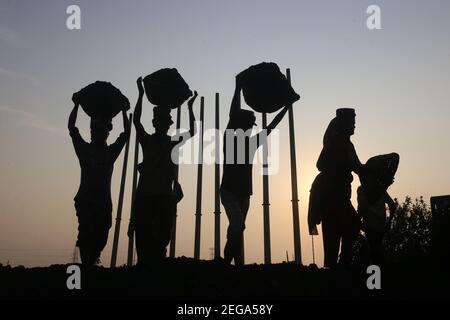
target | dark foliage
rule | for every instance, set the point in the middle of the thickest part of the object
(410, 233)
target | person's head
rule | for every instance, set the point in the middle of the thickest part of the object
(346, 118)
(100, 129)
(244, 119)
(162, 120)
(162, 125)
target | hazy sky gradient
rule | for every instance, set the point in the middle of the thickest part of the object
(397, 78)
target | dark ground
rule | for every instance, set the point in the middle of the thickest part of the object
(188, 280)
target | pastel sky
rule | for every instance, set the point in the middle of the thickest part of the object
(397, 79)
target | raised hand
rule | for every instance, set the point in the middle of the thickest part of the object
(240, 80)
(75, 100)
(192, 100)
(140, 86)
(73, 113)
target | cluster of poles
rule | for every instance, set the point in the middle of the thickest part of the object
(217, 212)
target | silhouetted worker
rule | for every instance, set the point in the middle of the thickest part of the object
(158, 190)
(239, 149)
(93, 199)
(331, 190)
(376, 176)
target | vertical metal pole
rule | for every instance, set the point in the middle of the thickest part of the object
(198, 209)
(296, 220)
(174, 226)
(217, 184)
(266, 204)
(133, 195)
(121, 193)
(312, 243)
(243, 238)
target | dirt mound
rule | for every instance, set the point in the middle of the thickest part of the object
(187, 279)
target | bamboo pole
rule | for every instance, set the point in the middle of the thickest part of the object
(133, 197)
(198, 209)
(121, 193)
(173, 236)
(243, 238)
(266, 204)
(217, 184)
(294, 183)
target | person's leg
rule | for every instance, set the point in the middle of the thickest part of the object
(235, 227)
(102, 224)
(350, 226)
(370, 241)
(331, 239)
(139, 245)
(85, 232)
(166, 211)
(375, 241)
(379, 249)
(230, 248)
(160, 210)
(244, 203)
(142, 230)
(142, 244)
(230, 244)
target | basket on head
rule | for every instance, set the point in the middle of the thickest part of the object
(101, 100)
(384, 166)
(378, 174)
(266, 89)
(166, 88)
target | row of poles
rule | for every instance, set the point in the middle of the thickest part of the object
(217, 212)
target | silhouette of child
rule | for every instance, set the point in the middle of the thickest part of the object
(239, 149)
(93, 199)
(372, 199)
(158, 190)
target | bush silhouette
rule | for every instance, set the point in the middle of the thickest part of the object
(410, 232)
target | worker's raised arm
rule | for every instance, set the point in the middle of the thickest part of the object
(236, 102)
(140, 132)
(73, 116)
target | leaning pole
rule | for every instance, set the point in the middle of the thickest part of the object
(133, 197)
(266, 203)
(121, 193)
(173, 236)
(217, 183)
(198, 209)
(295, 214)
